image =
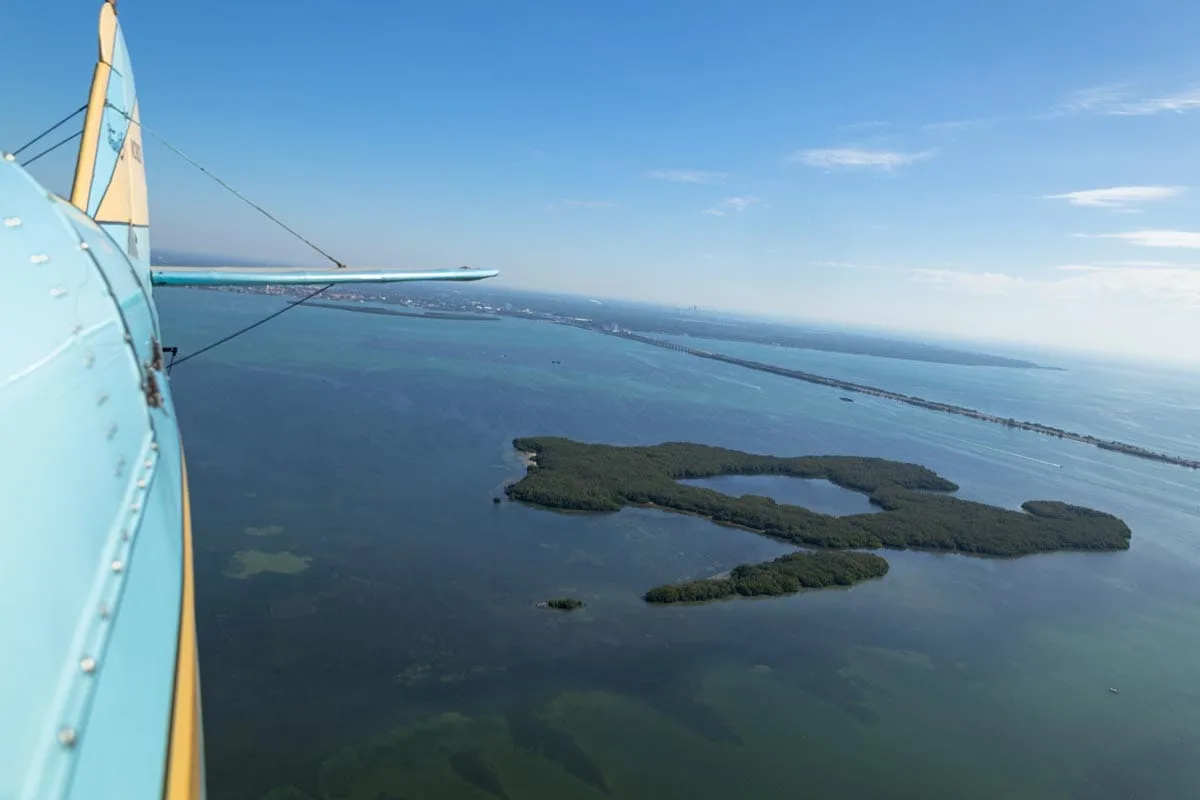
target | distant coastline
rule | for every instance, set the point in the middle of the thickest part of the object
(454, 306)
(920, 402)
(388, 312)
(598, 317)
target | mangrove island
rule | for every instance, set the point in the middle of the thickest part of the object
(916, 510)
(564, 603)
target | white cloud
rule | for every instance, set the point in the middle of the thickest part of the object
(687, 175)
(737, 203)
(1118, 196)
(1152, 238)
(591, 203)
(852, 157)
(1120, 100)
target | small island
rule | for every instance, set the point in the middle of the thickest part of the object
(564, 604)
(785, 575)
(916, 510)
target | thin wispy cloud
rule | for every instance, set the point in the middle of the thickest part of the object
(855, 265)
(736, 204)
(1129, 262)
(871, 125)
(554, 207)
(856, 158)
(1118, 197)
(740, 203)
(687, 175)
(1095, 99)
(1122, 100)
(956, 125)
(1151, 238)
(591, 203)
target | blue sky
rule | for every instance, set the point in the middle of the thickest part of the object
(1020, 171)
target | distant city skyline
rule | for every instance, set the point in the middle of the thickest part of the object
(1020, 173)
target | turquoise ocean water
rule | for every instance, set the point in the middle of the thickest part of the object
(408, 659)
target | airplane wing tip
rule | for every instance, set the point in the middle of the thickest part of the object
(266, 276)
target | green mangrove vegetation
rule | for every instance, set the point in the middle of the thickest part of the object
(564, 603)
(916, 510)
(785, 575)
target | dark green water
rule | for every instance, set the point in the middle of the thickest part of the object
(408, 659)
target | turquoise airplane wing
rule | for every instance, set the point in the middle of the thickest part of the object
(261, 276)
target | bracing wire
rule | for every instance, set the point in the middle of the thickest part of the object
(47, 132)
(224, 185)
(244, 330)
(174, 351)
(174, 361)
(51, 148)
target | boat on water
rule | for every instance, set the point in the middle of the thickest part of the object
(101, 683)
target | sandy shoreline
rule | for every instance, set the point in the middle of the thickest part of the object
(528, 460)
